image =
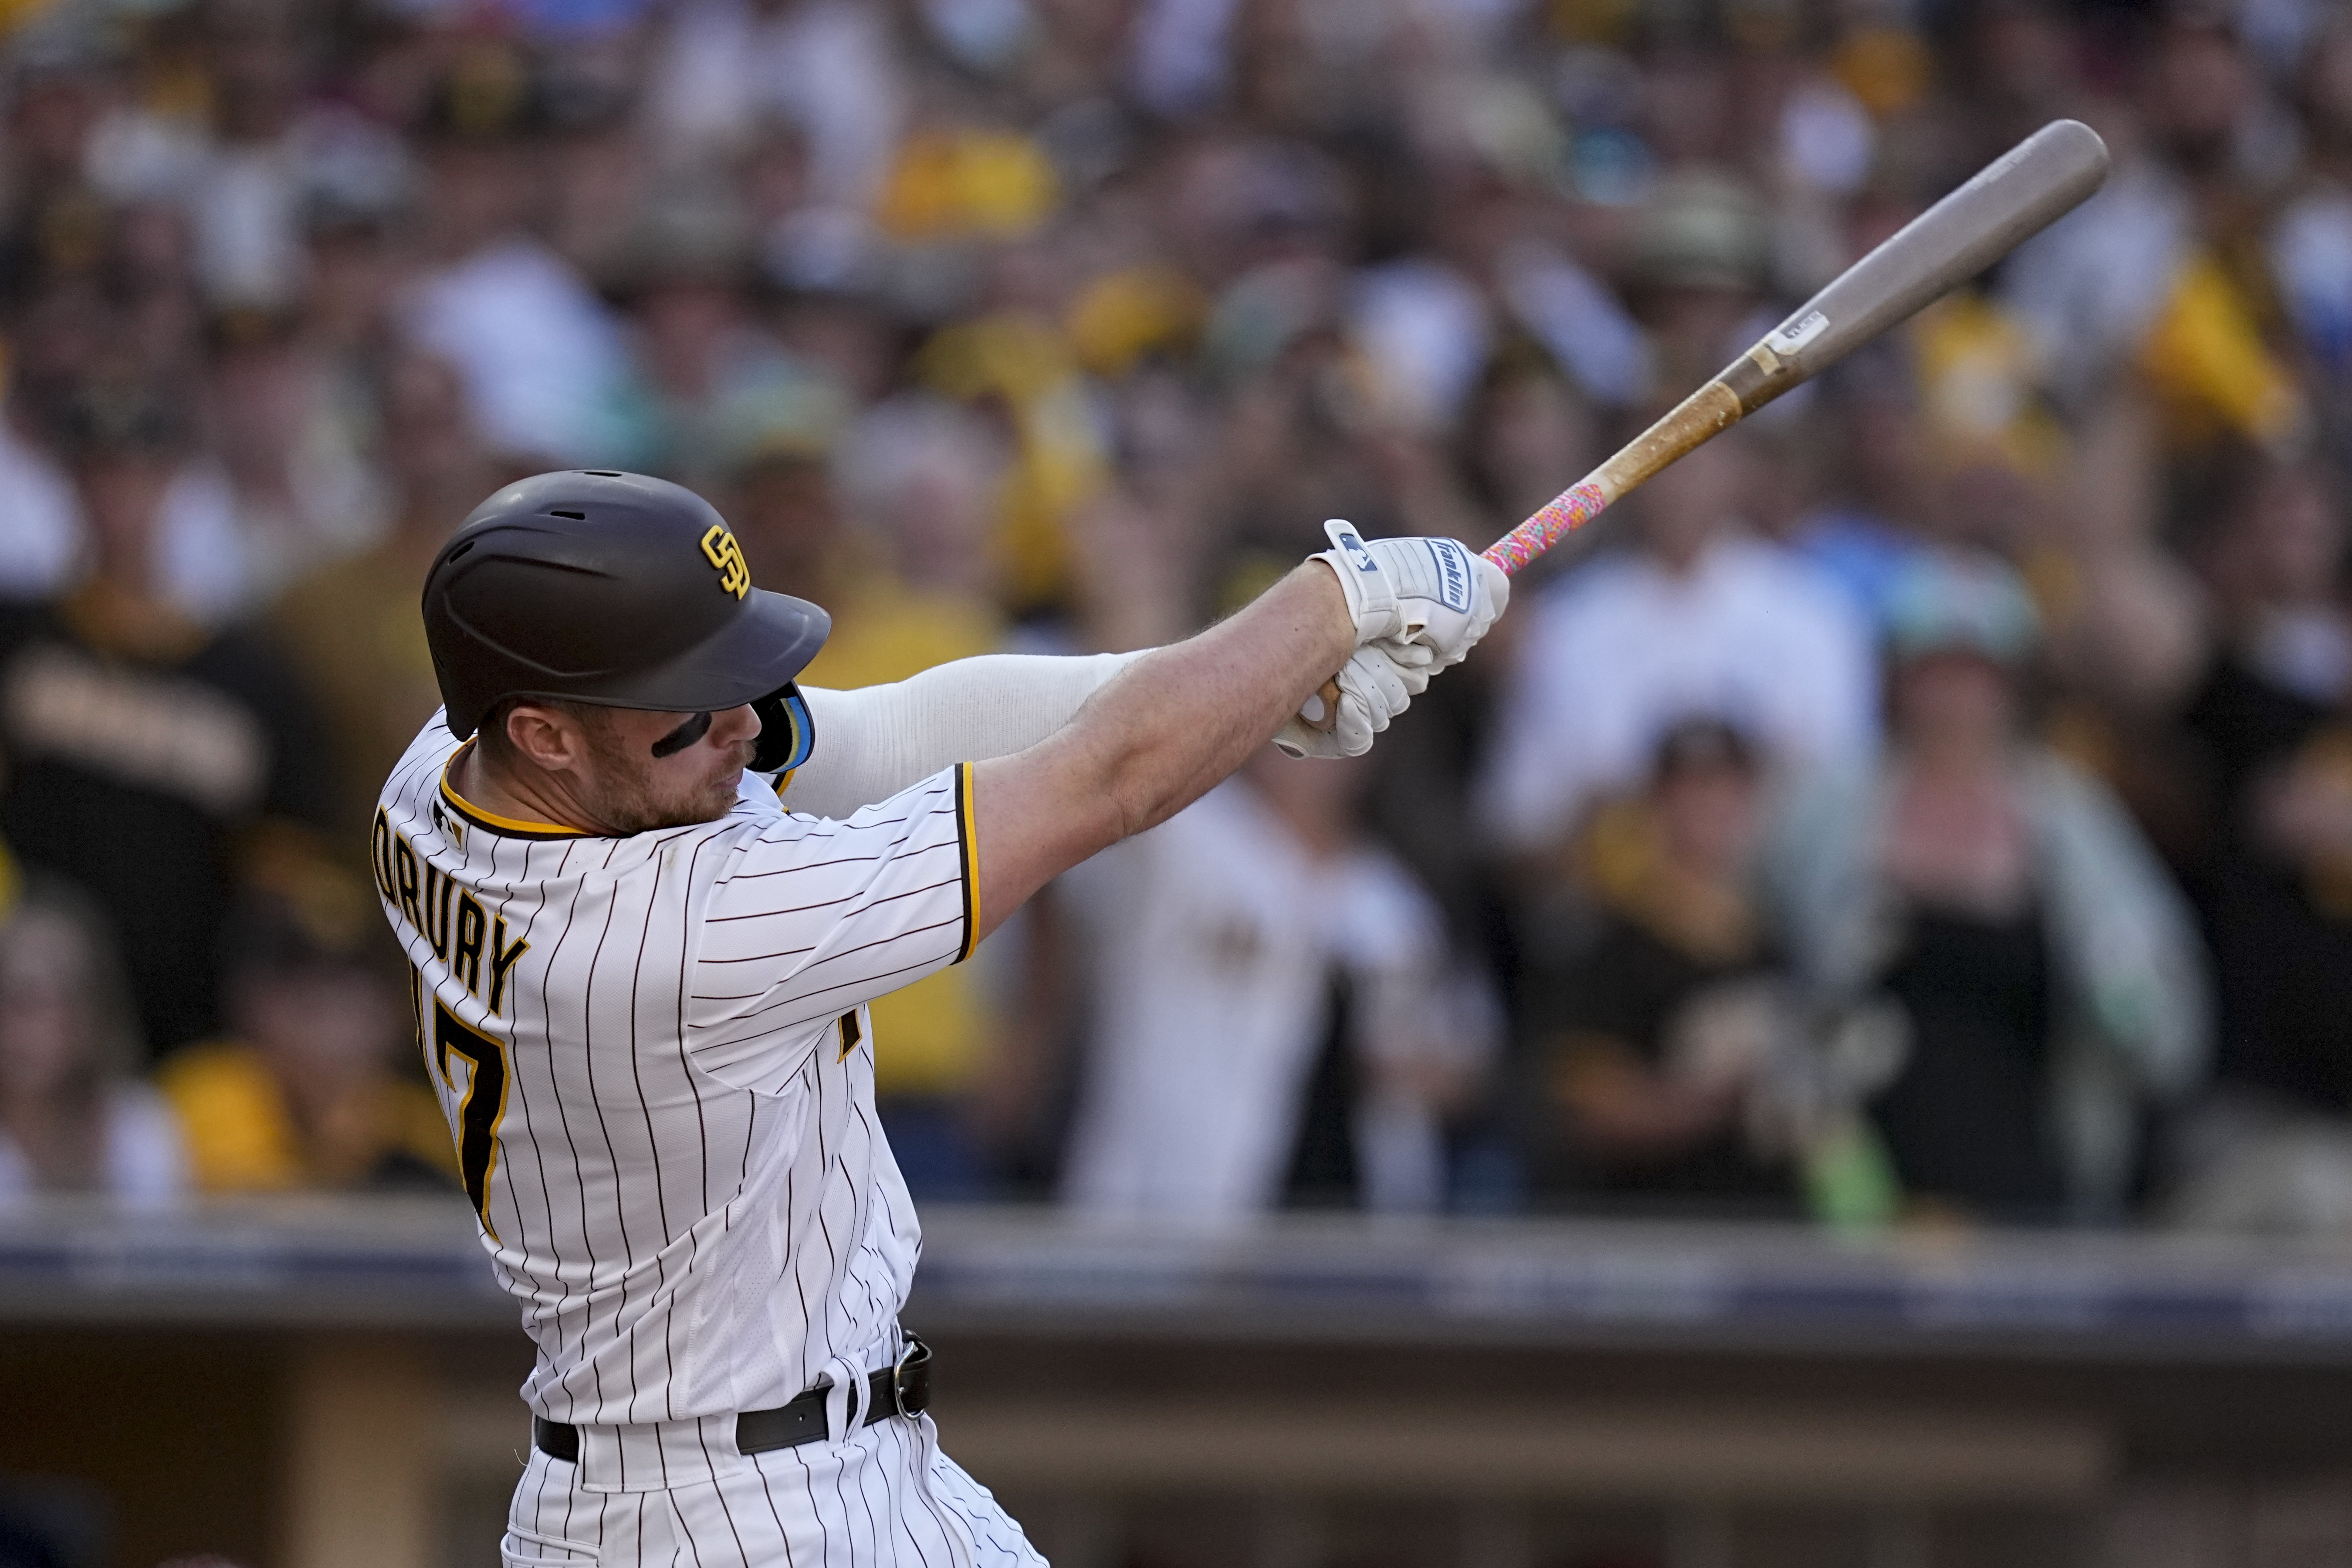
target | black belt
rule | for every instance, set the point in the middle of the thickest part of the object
(904, 1389)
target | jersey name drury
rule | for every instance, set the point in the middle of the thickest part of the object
(425, 904)
(653, 1059)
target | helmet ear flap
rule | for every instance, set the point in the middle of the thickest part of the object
(787, 735)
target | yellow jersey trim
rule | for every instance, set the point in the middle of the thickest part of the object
(968, 832)
(513, 827)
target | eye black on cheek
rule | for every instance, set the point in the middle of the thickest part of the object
(683, 735)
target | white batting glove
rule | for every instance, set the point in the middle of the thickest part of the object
(1379, 680)
(1432, 592)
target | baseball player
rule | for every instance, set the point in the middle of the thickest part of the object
(641, 977)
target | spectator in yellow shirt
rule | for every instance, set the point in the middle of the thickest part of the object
(906, 575)
(307, 1092)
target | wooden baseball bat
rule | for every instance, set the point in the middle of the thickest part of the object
(2036, 182)
(2017, 195)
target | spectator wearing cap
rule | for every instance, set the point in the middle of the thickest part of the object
(350, 625)
(2051, 978)
(1701, 264)
(297, 481)
(245, 193)
(917, 477)
(827, 68)
(304, 1093)
(148, 758)
(1871, 524)
(65, 352)
(2278, 893)
(73, 1116)
(2282, 671)
(542, 358)
(713, 388)
(1649, 1032)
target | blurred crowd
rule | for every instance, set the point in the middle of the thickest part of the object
(1931, 800)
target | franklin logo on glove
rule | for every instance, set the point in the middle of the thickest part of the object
(1427, 592)
(1454, 573)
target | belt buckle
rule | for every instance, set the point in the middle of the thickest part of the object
(910, 1394)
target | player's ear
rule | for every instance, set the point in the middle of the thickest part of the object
(547, 738)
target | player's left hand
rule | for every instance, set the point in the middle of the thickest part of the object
(1431, 591)
(1376, 685)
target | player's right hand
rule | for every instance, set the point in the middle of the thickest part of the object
(1429, 591)
(1376, 685)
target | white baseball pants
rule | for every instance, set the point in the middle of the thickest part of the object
(887, 1496)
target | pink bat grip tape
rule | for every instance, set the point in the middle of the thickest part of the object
(1566, 512)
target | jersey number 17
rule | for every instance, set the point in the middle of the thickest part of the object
(483, 1106)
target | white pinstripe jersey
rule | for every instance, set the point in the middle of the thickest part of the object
(655, 1061)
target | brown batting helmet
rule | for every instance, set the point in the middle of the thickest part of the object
(619, 589)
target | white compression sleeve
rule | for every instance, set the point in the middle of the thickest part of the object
(874, 741)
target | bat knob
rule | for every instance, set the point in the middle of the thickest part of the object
(1327, 697)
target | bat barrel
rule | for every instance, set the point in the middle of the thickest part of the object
(2014, 197)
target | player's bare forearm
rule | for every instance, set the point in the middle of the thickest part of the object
(1157, 738)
